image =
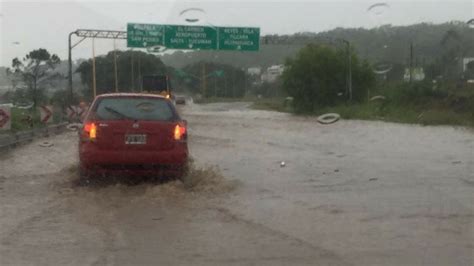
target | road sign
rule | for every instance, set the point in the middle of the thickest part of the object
(144, 35)
(219, 73)
(190, 37)
(5, 118)
(46, 113)
(243, 39)
(72, 112)
(193, 37)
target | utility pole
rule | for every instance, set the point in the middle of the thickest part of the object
(350, 71)
(411, 61)
(133, 72)
(349, 54)
(203, 79)
(215, 87)
(94, 89)
(71, 95)
(140, 72)
(115, 68)
(87, 33)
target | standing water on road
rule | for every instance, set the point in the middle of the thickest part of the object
(229, 160)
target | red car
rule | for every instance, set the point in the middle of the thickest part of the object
(133, 134)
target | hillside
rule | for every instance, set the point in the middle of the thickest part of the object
(386, 43)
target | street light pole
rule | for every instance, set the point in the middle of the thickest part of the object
(94, 88)
(350, 71)
(349, 54)
(115, 68)
(84, 33)
(70, 68)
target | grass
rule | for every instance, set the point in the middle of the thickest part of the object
(223, 100)
(19, 122)
(434, 113)
(417, 104)
(271, 104)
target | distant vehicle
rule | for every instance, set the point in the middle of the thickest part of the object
(180, 100)
(160, 84)
(133, 134)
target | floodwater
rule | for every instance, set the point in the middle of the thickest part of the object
(350, 193)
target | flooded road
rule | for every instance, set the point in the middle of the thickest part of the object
(350, 193)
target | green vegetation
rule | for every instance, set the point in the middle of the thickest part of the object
(34, 70)
(21, 123)
(272, 104)
(223, 100)
(317, 77)
(222, 81)
(404, 103)
(128, 80)
(388, 43)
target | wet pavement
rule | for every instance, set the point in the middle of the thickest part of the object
(350, 193)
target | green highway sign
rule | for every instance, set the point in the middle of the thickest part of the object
(243, 39)
(190, 37)
(144, 35)
(219, 73)
(193, 37)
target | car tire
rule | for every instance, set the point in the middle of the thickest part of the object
(328, 118)
(84, 176)
(183, 172)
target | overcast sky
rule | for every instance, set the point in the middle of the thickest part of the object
(46, 24)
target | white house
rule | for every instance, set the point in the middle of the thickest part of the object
(254, 71)
(272, 73)
(418, 74)
(466, 61)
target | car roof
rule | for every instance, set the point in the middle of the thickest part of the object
(130, 94)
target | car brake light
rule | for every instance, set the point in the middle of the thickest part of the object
(91, 130)
(179, 132)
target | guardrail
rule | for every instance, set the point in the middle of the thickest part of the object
(12, 140)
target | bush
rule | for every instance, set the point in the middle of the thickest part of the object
(317, 77)
(415, 93)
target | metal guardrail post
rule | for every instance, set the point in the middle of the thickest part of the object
(26, 136)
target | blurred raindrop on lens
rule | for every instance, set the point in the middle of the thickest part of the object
(378, 13)
(382, 68)
(156, 49)
(378, 9)
(470, 23)
(193, 15)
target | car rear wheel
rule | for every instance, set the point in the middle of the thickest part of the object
(84, 176)
(183, 172)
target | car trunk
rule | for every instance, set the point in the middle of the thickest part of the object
(123, 135)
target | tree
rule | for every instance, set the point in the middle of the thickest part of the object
(317, 77)
(34, 69)
(452, 53)
(222, 80)
(469, 73)
(13, 77)
(128, 80)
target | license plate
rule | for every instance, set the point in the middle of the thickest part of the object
(135, 139)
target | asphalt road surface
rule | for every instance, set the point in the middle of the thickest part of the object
(350, 193)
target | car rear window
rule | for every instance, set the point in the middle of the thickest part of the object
(136, 108)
